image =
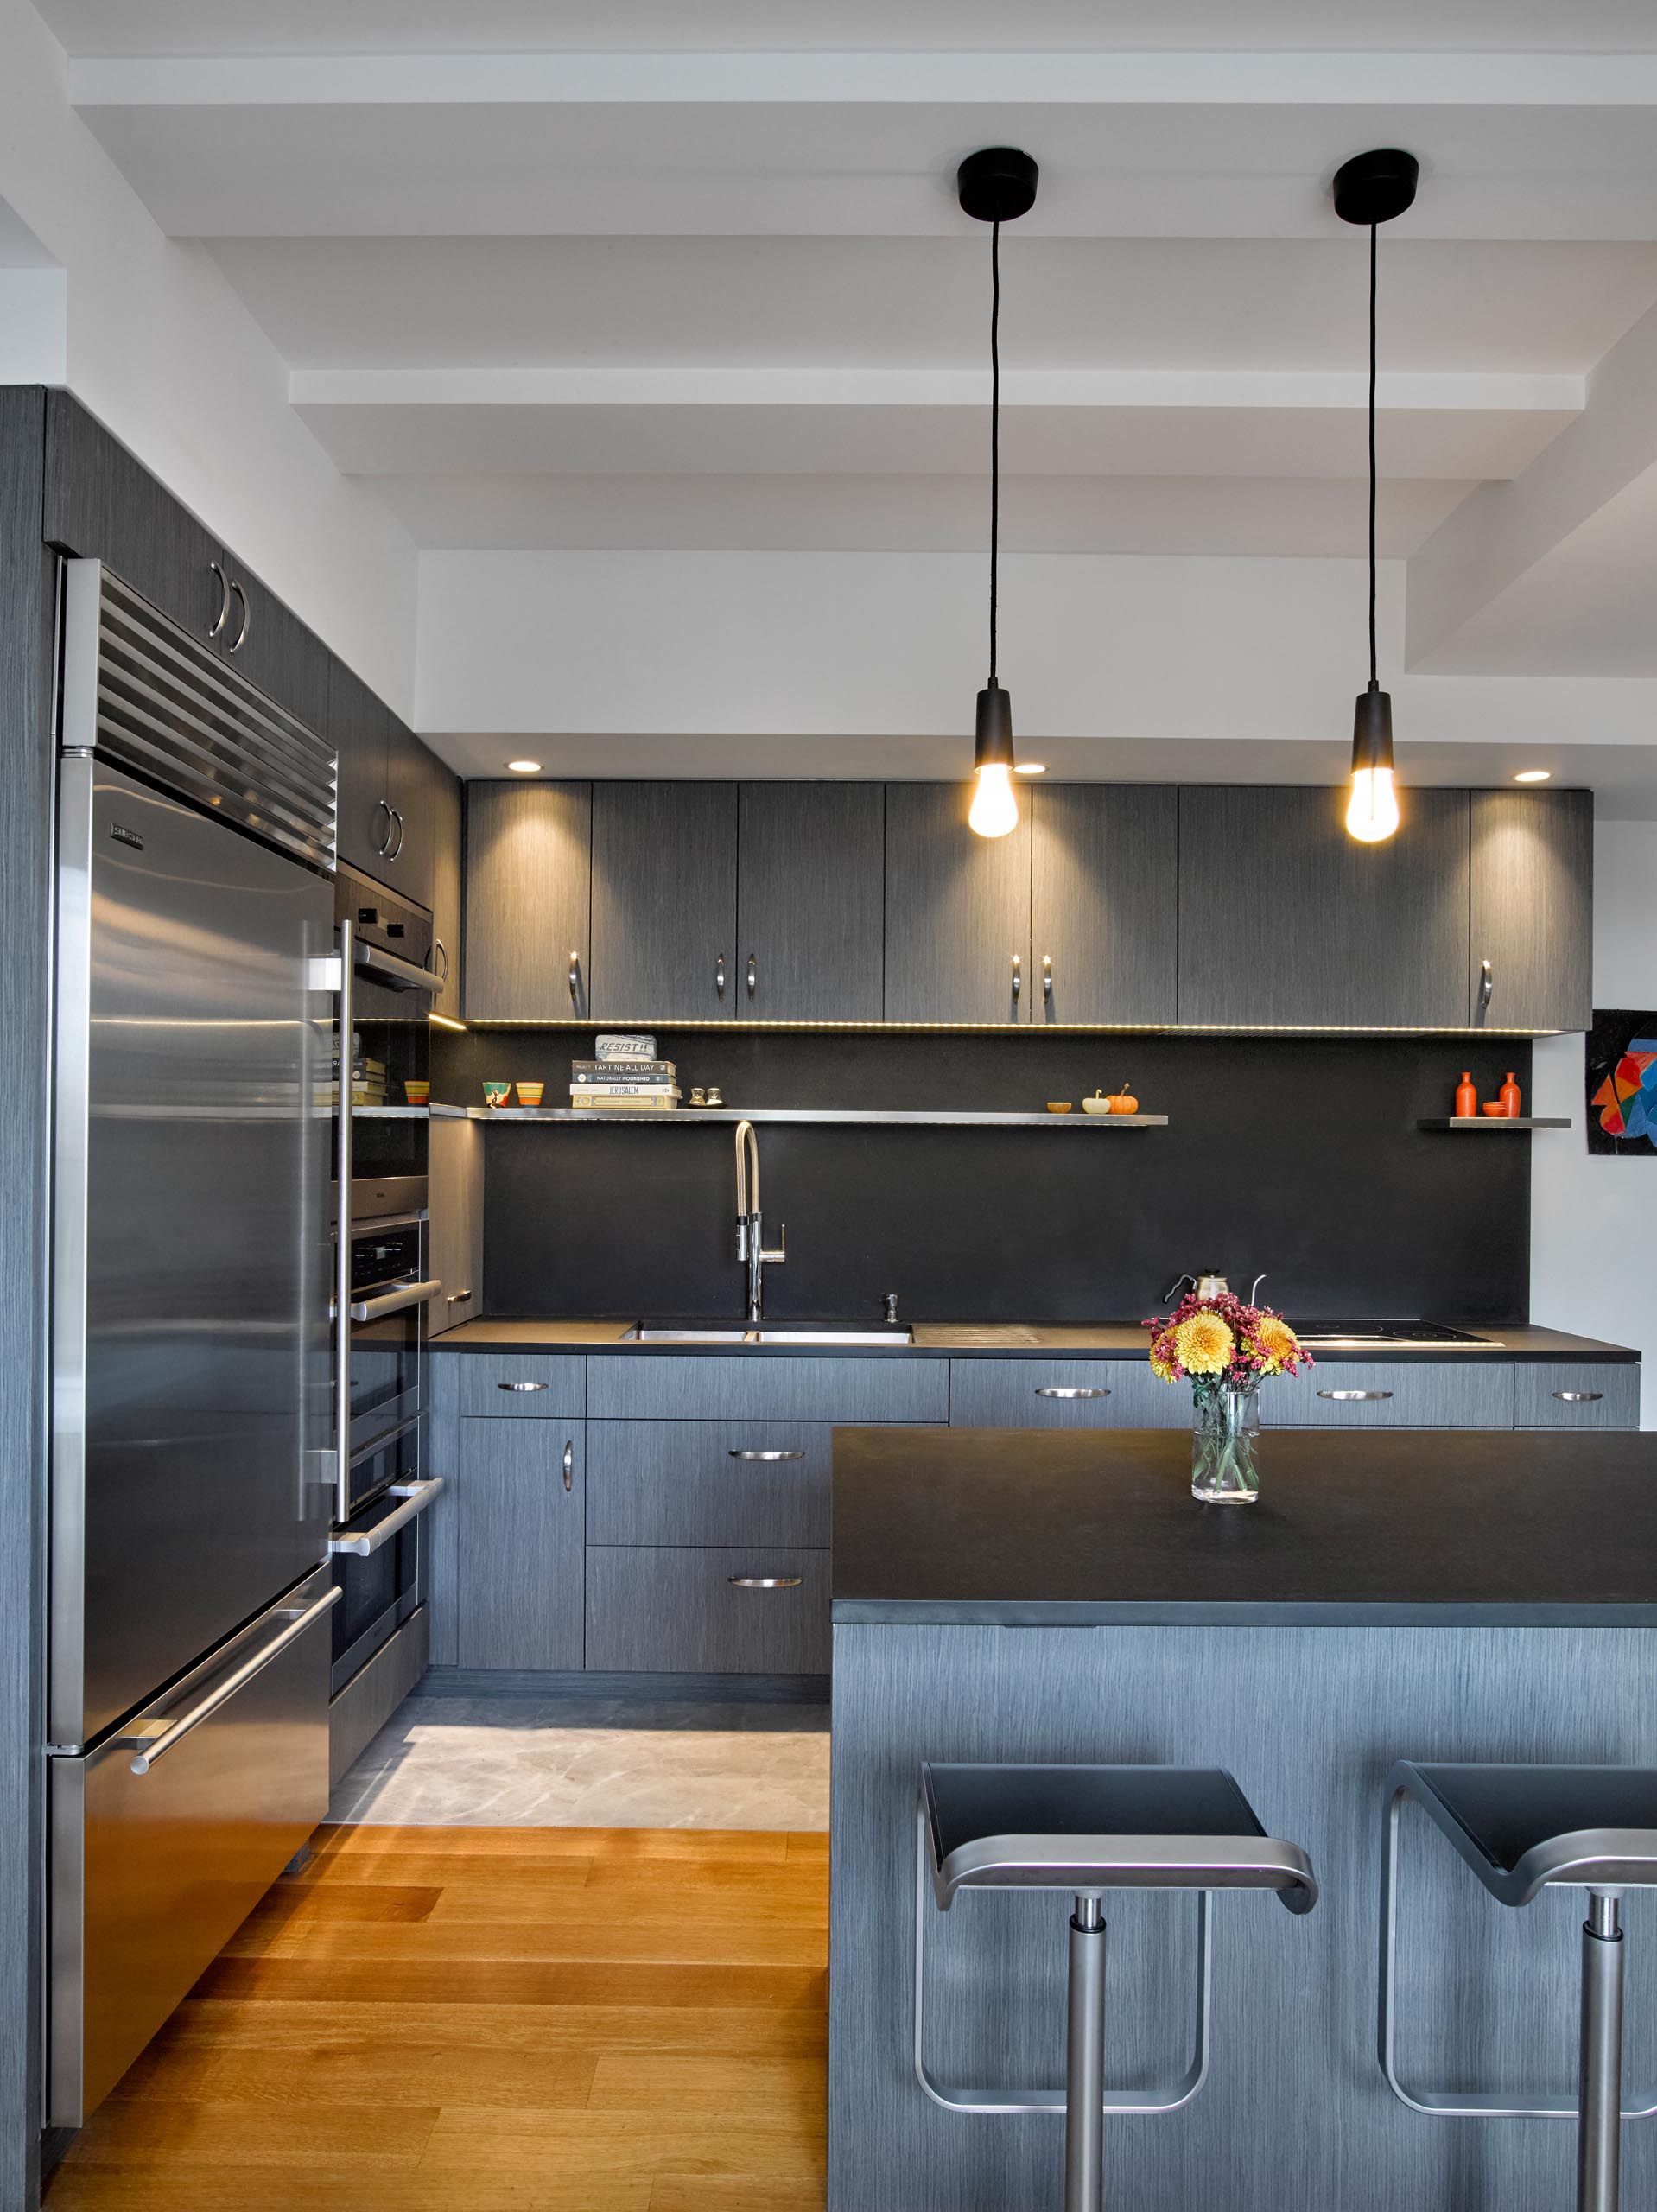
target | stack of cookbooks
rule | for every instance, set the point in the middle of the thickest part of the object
(625, 1077)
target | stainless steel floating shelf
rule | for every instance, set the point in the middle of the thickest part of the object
(870, 1114)
(1500, 1121)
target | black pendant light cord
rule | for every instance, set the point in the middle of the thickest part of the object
(994, 427)
(1372, 453)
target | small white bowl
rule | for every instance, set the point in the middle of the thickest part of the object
(1095, 1106)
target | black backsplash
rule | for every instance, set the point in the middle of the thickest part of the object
(1300, 1157)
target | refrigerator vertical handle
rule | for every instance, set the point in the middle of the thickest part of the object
(342, 1240)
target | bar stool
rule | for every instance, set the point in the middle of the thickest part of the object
(1088, 1829)
(1523, 1829)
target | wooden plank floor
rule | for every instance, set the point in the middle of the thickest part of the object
(470, 2019)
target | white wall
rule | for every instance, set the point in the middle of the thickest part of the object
(1594, 1221)
(157, 345)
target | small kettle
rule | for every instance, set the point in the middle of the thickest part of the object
(1209, 1284)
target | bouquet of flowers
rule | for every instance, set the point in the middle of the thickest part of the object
(1225, 1350)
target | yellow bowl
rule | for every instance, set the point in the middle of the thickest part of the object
(1059, 1105)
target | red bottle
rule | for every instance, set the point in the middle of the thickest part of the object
(1509, 1095)
(1467, 1098)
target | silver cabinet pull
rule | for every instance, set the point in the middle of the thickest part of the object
(1579, 1397)
(764, 1581)
(416, 1497)
(719, 978)
(396, 1301)
(384, 806)
(240, 639)
(576, 977)
(753, 981)
(147, 1749)
(520, 1386)
(458, 1298)
(1354, 1397)
(396, 852)
(1047, 977)
(569, 1463)
(1068, 1390)
(1486, 983)
(1017, 975)
(218, 622)
(765, 1456)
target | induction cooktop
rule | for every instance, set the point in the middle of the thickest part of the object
(1393, 1336)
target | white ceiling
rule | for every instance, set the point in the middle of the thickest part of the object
(689, 274)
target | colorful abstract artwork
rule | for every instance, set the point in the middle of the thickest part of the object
(1622, 1079)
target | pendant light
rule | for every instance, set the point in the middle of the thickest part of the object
(1372, 188)
(995, 185)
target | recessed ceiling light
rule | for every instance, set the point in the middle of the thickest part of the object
(1532, 775)
(525, 767)
(1030, 767)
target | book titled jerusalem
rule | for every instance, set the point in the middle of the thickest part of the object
(633, 1101)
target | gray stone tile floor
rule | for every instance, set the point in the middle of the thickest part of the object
(595, 1761)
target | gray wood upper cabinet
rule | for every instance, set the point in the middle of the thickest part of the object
(528, 889)
(272, 647)
(957, 911)
(455, 1173)
(665, 943)
(1284, 919)
(519, 1543)
(1531, 910)
(409, 777)
(811, 885)
(1104, 934)
(358, 728)
(446, 891)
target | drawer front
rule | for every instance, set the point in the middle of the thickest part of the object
(1393, 1393)
(1577, 1395)
(766, 1387)
(693, 1482)
(1061, 1394)
(672, 1609)
(522, 1385)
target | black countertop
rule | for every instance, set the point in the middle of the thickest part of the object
(1077, 1527)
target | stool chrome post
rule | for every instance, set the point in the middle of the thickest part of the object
(1599, 2091)
(1084, 2061)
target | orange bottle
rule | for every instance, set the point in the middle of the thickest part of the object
(1509, 1095)
(1467, 1098)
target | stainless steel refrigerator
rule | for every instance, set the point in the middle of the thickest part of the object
(187, 1669)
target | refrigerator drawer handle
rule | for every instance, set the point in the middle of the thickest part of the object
(147, 1749)
(416, 1497)
(1354, 1397)
(395, 1301)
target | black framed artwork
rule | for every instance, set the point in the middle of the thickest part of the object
(1621, 1081)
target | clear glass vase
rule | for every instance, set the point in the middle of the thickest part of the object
(1222, 1446)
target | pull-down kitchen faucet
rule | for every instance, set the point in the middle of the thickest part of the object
(750, 1227)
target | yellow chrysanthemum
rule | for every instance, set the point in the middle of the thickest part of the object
(1162, 1359)
(1277, 1340)
(1204, 1345)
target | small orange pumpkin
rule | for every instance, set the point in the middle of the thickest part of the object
(1121, 1102)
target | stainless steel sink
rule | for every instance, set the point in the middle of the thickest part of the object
(806, 1332)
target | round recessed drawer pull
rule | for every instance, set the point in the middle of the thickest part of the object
(520, 1386)
(1354, 1397)
(766, 1456)
(764, 1581)
(1579, 1397)
(1067, 1390)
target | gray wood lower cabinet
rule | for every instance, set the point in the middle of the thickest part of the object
(510, 1385)
(1063, 1394)
(1597, 1394)
(690, 1482)
(771, 1387)
(1394, 1394)
(679, 1608)
(517, 1503)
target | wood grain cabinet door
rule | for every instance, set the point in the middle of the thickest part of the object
(957, 911)
(518, 1507)
(1284, 919)
(1104, 932)
(271, 647)
(454, 1171)
(1532, 900)
(446, 891)
(664, 945)
(358, 730)
(811, 885)
(528, 878)
(409, 777)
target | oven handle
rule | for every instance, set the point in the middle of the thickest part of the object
(416, 1497)
(391, 968)
(147, 1749)
(395, 1301)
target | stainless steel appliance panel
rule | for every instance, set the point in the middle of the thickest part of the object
(190, 1388)
(153, 1872)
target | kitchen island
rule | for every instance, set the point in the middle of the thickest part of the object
(1058, 1595)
